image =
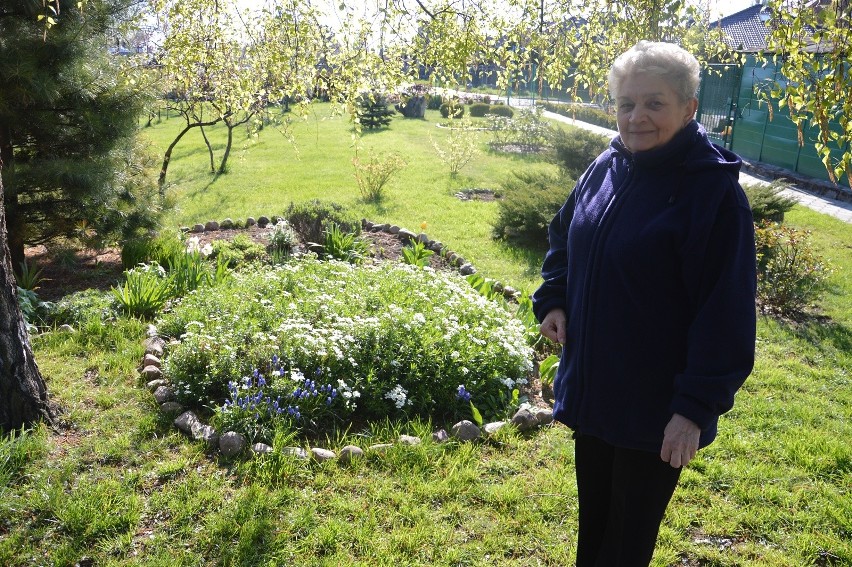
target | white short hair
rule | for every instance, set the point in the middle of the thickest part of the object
(673, 64)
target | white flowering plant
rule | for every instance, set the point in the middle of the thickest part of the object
(393, 340)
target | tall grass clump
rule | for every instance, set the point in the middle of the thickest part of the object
(371, 341)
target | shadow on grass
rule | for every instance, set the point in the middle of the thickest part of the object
(823, 333)
(528, 256)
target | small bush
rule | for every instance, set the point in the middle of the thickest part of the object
(479, 109)
(374, 173)
(790, 275)
(452, 109)
(501, 110)
(311, 218)
(530, 201)
(434, 102)
(373, 111)
(344, 246)
(282, 240)
(461, 146)
(238, 251)
(145, 291)
(82, 306)
(575, 149)
(135, 251)
(767, 203)
(529, 130)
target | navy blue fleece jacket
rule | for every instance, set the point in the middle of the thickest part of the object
(652, 259)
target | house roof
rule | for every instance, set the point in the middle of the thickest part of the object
(746, 30)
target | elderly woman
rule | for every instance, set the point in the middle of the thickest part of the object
(649, 285)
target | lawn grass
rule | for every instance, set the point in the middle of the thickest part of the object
(272, 173)
(119, 486)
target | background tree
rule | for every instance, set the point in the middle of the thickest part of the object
(68, 124)
(813, 42)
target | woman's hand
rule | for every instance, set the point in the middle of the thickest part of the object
(553, 326)
(680, 441)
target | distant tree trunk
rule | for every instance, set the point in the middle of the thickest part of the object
(23, 395)
(168, 156)
(209, 150)
(231, 125)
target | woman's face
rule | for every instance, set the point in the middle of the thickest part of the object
(650, 112)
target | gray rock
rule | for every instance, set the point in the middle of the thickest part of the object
(394, 229)
(251, 221)
(322, 455)
(440, 436)
(154, 384)
(152, 360)
(509, 291)
(493, 427)
(185, 420)
(154, 345)
(151, 373)
(151, 331)
(185, 229)
(232, 443)
(543, 416)
(451, 257)
(261, 448)
(409, 440)
(295, 452)
(66, 328)
(405, 235)
(262, 221)
(227, 223)
(524, 420)
(436, 246)
(206, 433)
(498, 287)
(351, 453)
(414, 107)
(197, 228)
(467, 269)
(164, 394)
(380, 447)
(211, 226)
(423, 239)
(459, 261)
(465, 431)
(171, 408)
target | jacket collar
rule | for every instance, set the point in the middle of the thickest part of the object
(673, 151)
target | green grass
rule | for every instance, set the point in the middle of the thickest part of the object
(117, 483)
(271, 173)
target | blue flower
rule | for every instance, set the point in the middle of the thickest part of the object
(462, 393)
(261, 381)
(274, 360)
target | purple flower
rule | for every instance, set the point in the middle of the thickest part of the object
(462, 393)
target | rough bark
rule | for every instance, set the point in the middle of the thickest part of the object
(23, 395)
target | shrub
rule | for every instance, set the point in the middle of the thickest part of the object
(790, 275)
(434, 102)
(393, 340)
(452, 109)
(529, 130)
(282, 240)
(34, 310)
(135, 251)
(501, 110)
(767, 203)
(311, 218)
(461, 146)
(576, 148)
(479, 109)
(81, 306)
(373, 174)
(239, 250)
(530, 201)
(373, 111)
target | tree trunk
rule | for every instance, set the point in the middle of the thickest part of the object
(168, 157)
(209, 150)
(23, 395)
(14, 220)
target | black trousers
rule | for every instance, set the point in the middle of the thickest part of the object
(623, 494)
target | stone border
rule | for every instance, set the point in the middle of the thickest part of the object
(232, 444)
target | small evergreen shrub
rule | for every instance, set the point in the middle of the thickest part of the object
(310, 219)
(767, 203)
(790, 275)
(530, 201)
(373, 110)
(501, 110)
(452, 109)
(434, 102)
(479, 109)
(135, 251)
(575, 149)
(389, 340)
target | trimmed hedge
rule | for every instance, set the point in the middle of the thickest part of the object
(589, 114)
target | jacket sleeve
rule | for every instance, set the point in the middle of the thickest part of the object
(552, 292)
(721, 336)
